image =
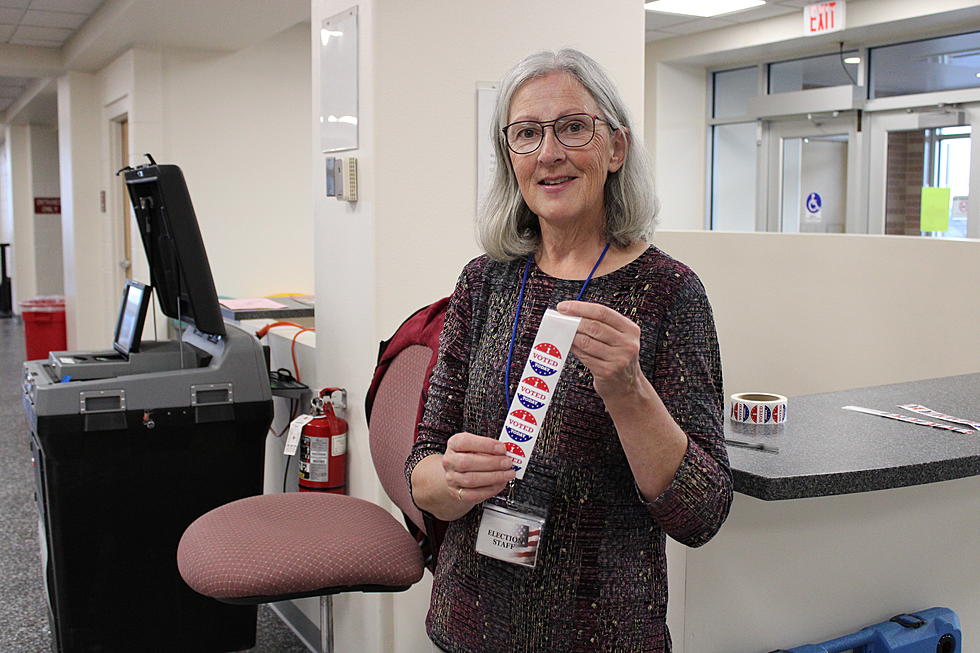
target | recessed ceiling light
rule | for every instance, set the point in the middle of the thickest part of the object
(978, 74)
(701, 7)
(852, 60)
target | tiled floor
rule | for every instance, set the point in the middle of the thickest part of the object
(23, 617)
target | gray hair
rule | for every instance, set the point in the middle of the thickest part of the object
(506, 228)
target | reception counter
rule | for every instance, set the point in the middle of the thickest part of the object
(856, 519)
(825, 450)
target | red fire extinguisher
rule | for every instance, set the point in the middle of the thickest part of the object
(323, 449)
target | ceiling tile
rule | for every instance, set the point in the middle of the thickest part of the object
(61, 19)
(17, 4)
(73, 6)
(41, 33)
(657, 20)
(6, 31)
(700, 25)
(761, 13)
(36, 42)
(10, 16)
(799, 4)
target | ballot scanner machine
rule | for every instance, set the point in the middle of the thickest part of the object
(130, 445)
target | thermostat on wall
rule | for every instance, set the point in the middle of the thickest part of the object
(341, 177)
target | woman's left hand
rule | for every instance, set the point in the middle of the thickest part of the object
(608, 343)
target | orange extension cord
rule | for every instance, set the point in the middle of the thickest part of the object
(264, 330)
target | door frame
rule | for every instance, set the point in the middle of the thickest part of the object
(113, 115)
(771, 164)
(880, 123)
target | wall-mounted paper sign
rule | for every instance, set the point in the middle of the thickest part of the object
(338, 82)
(934, 211)
(961, 204)
(814, 208)
(50, 205)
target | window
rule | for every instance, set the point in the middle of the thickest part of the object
(732, 90)
(814, 72)
(935, 158)
(940, 64)
(733, 176)
(733, 150)
(951, 170)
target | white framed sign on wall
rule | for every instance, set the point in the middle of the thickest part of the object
(338, 82)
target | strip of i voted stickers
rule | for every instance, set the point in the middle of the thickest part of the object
(541, 373)
(928, 412)
(910, 420)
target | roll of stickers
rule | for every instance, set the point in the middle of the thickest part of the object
(541, 371)
(758, 408)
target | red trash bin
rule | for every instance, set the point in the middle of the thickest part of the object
(44, 326)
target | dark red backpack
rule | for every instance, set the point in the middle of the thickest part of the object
(423, 327)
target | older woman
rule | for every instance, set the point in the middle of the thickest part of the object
(631, 447)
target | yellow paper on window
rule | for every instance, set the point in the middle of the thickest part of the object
(934, 212)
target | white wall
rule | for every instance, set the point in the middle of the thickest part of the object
(676, 135)
(47, 226)
(403, 244)
(238, 126)
(453, 46)
(784, 573)
(806, 313)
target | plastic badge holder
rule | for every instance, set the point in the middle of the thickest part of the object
(509, 535)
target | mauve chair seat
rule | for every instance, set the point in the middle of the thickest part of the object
(296, 544)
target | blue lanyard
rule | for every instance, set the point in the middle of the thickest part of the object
(517, 315)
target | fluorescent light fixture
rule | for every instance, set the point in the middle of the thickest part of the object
(701, 7)
(350, 120)
(852, 60)
(978, 74)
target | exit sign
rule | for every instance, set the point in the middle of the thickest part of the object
(823, 17)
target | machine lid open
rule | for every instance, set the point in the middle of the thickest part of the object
(179, 268)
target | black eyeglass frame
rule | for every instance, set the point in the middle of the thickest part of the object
(551, 123)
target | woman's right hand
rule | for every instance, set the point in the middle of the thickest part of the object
(476, 467)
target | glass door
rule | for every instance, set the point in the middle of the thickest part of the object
(810, 167)
(919, 175)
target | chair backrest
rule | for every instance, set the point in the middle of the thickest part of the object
(394, 417)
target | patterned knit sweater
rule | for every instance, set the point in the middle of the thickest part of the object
(600, 583)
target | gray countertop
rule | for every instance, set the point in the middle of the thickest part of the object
(292, 309)
(824, 450)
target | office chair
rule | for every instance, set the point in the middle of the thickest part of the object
(276, 547)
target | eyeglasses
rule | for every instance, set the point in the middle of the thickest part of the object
(573, 130)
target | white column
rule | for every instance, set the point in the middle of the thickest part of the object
(86, 238)
(20, 207)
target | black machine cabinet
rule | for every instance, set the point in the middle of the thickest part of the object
(130, 449)
(113, 506)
